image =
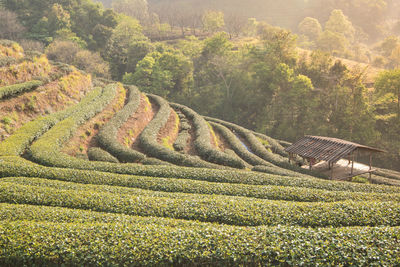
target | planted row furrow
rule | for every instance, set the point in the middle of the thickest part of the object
(202, 141)
(46, 150)
(107, 136)
(148, 139)
(112, 244)
(17, 143)
(14, 166)
(219, 209)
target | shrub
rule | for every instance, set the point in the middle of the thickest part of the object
(202, 141)
(258, 148)
(148, 139)
(191, 186)
(207, 208)
(199, 244)
(98, 154)
(107, 134)
(46, 149)
(12, 90)
(16, 166)
(20, 140)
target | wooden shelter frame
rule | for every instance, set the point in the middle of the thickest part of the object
(331, 150)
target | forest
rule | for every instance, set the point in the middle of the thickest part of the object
(286, 68)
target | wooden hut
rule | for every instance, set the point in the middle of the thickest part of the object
(330, 150)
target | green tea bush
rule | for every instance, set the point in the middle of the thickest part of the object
(12, 90)
(17, 143)
(272, 192)
(258, 149)
(47, 149)
(14, 166)
(202, 141)
(184, 134)
(16, 212)
(107, 134)
(124, 244)
(388, 173)
(148, 139)
(98, 154)
(208, 208)
(249, 157)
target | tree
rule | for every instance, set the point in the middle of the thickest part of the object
(338, 23)
(388, 45)
(235, 24)
(58, 19)
(387, 87)
(71, 53)
(137, 9)
(310, 27)
(10, 28)
(167, 73)
(126, 34)
(213, 21)
(332, 41)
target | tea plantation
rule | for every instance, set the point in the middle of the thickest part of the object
(94, 172)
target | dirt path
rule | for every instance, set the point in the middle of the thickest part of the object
(169, 132)
(221, 141)
(341, 169)
(84, 138)
(132, 128)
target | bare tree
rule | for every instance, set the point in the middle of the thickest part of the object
(10, 28)
(235, 24)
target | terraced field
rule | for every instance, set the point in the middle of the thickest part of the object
(94, 172)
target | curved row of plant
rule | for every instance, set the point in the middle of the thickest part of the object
(391, 174)
(259, 149)
(98, 154)
(16, 212)
(272, 192)
(144, 245)
(108, 133)
(202, 141)
(184, 134)
(20, 140)
(273, 144)
(12, 90)
(221, 209)
(148, 139)
(15, 166)
(47, 148)
(260, 164)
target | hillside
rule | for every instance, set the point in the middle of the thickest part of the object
(94, 172)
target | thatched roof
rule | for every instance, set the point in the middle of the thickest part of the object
(326, 148)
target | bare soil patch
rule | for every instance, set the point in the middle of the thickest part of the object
(44, 100)
(170, 130)
(131, 129)
(84, 138)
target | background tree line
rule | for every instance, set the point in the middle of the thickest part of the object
(232, 66)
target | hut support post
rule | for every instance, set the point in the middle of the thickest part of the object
(370, 165)
(352, 164)
(331, 168)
